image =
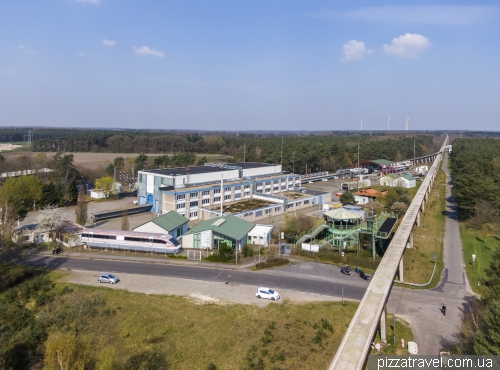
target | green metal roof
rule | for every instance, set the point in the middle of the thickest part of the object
(227, 225)
(408, 177)
(169, 221)
(382, 162)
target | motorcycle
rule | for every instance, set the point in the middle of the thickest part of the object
(362, 275)
(345, 269)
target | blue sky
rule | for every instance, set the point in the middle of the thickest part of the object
(250, 65)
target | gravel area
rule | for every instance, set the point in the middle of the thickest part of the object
(199, 291)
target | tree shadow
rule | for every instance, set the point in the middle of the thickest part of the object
(149, 359)
(479, 239)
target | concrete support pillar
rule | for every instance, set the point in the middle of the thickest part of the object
(401, 270)
(383, 324)
(423, 207)
(418, 219)
(411, 239)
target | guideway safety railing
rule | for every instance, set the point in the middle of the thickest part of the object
(355, 346)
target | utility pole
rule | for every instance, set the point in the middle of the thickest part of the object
(282, 153)
(413, 152)
(221, 193)
(244, 152)
(293, 162)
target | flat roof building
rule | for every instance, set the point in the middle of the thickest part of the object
(187, 189)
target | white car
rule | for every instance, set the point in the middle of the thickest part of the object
(267, 293)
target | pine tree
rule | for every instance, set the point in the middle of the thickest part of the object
(488, 339)
(72, 192)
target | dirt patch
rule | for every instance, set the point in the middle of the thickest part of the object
(7, 147)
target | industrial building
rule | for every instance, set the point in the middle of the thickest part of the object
(188, 190)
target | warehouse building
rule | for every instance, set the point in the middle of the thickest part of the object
(187, 190)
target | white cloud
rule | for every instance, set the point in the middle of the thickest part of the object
(90, 1)
(354, 50)
(145, 50)
(408, 45)
(107, 42)
(25, 49)
(80, 54)
(443, 15)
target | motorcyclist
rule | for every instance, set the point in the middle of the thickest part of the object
(443, 309)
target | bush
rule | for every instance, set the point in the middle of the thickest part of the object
(272, 263)
(224, 254)
(247, 251)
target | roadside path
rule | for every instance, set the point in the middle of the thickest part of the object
(431, 330)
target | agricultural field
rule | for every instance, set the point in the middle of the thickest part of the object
(96, 160)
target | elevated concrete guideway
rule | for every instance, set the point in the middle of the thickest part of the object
(371, 313)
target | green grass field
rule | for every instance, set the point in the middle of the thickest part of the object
(428, 238)
(483, 245)
(174, 332)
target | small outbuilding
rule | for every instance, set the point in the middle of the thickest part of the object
(170, 223)
(403, 181)
(260, 234)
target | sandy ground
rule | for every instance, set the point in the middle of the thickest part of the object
(201, 292)
(5, 147)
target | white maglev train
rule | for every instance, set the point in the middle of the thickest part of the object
(131, 240)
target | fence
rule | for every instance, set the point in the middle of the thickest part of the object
(129, 248)
(198, 255)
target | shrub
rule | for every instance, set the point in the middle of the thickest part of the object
(272, 263)
(247, 251)
(224, 254)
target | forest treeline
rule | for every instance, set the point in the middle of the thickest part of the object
(475, 164)
(301, 153)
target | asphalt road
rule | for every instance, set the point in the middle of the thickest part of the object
(302, 277)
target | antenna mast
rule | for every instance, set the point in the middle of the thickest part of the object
(389, 124)
(361, 123)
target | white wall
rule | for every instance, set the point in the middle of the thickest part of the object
(206, 177)
(150, 227)
(361, 200)
(266, 170)
(187, 241)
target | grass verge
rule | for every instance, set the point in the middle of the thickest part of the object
(180, 334)
(483, 244)
(271, 263)
(402, 331)
(428, 238)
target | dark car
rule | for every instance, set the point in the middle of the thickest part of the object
(108, 278)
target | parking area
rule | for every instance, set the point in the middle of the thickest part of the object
(197, 290)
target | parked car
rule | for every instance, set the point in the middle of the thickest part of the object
(267, 293)
(108, 278)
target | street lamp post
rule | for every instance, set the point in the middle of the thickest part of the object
(236, 247)
(394, 323)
